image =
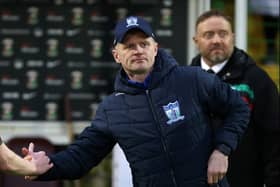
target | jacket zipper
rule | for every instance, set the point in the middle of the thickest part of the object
(155, 116)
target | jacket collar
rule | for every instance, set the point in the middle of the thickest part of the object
(235, 67)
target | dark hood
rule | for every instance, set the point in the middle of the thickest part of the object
(164, 63)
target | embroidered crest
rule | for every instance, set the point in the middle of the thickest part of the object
(172, 111)
(246, 93)
(131, 21)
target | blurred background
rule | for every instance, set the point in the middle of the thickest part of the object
(56, 64)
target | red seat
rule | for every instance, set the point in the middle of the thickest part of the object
(16, 144)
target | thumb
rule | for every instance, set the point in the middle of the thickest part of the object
(31, 148)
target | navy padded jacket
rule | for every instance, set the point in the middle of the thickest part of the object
(163, 130)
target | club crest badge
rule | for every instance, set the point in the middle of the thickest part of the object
(131, 21)
(172, 111)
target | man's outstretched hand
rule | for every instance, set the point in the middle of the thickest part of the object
(39, 160)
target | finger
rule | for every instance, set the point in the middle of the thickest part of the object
(48, 159)
(30, 177)
(221, 176)
(31, 148)
(28, 157)
(212, 179)
(209, 179)
(33, 177)
(24, 151)
(215, 179)
(42, 153)
(51, 165)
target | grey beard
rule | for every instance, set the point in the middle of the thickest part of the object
(217, 59)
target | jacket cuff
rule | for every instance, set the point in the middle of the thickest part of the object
(226, 150)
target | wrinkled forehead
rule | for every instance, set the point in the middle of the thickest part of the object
(214, 23)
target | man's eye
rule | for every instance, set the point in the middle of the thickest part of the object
(208, 35)
(223, 34)
(144, 44)
(130, 46)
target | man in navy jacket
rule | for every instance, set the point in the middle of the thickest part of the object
(159, 115)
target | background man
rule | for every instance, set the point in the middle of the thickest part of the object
(257, 159)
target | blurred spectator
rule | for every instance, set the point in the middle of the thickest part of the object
(269, 10)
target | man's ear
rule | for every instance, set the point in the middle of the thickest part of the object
(156, 46)
(115, 55)
(195, 40)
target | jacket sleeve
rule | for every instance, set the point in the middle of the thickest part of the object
(92, 145)
(221, 100)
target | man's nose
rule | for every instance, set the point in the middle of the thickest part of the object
(216, 38)
(138, 49)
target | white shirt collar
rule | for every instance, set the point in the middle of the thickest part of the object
(216, 68)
